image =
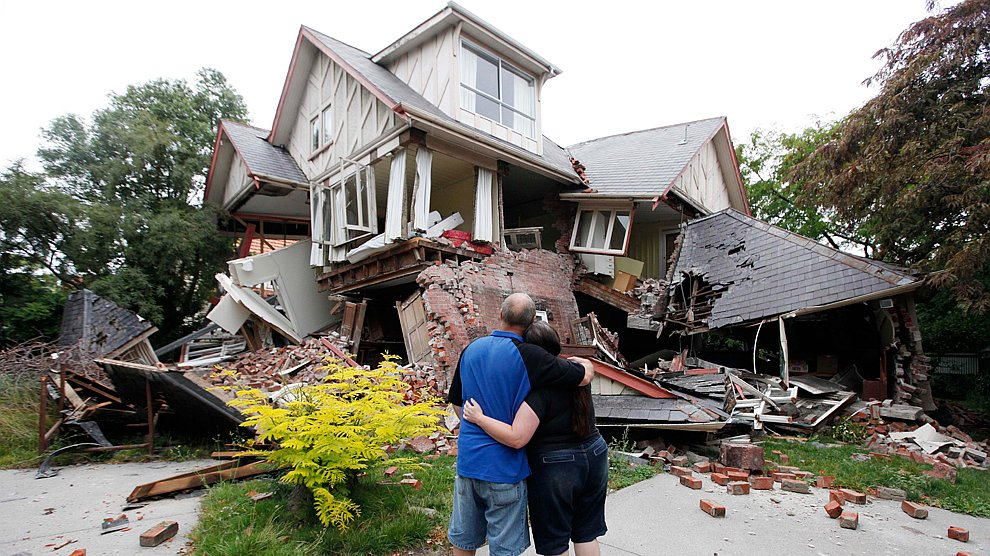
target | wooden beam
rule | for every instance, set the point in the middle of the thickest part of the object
(226, 471)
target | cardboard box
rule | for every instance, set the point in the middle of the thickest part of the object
(623, 281)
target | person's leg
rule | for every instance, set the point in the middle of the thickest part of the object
(505, 512)
(462, 552)
(556, 476)
(587, 548)
(467, 520)
(589, 502)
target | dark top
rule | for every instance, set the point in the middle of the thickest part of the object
(555, 408)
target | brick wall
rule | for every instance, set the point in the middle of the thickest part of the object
(463, 302)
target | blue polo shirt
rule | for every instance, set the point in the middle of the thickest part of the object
(498, 372)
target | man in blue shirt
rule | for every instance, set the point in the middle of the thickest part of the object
(498, 371)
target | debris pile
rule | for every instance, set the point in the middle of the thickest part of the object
(929, 443)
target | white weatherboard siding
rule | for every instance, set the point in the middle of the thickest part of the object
(702, 181)
(429, 70)
(237, 179)
(358, 116)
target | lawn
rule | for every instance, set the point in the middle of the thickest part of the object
(970, 494)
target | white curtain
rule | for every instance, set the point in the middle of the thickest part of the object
(469, 77)
(421, 189)
(524, 96)
(483, 224)
(396, 197)
(316, 225)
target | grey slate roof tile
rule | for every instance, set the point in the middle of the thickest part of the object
(261, 156)
(794, 272)
(98, 325)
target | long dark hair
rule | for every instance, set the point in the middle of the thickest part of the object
(543, 335)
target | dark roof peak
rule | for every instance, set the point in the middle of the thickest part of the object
(648, 130)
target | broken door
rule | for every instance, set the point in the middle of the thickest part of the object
(412, 319)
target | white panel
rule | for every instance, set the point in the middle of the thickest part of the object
(396, 197)
(483, 225)
(421, 189)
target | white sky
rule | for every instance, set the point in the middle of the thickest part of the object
(626, 65)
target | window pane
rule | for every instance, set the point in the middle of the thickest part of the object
(601, 230)
(350, 195)
(327, 125)
(315, 133)
(619, 228)
(486, 76)
(518, 122)
(518, 91)
(486, 107)
(583, 225)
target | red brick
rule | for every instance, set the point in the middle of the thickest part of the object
(691, 482)
(159, 533)
(391, 471)
(788, 469)
(784, 459)
(960, 553)
(780, 477)
(794, 485)
(959, 534)
(718, 468)
(852, 496)
(743, 456)
(942, 471)
(414, 483)
(738, 475)
(824, 481)
(761, 483)
(703, 467)
(804, 474)
(849, 520)
(738, 487)
(78, 552)
(711, 508)
(720, 479)
(914, 510)
(836, 496)
(833, 509)
(679, 471)
(679, 461)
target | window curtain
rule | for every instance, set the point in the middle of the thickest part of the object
(483, 222)
(524, 96)
(421, 188)
(396, 197)
(316, 257)
(469, 77)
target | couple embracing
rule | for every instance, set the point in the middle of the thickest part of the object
(526, 414)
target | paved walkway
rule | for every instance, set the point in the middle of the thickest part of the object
(659, 516)
(37, 515)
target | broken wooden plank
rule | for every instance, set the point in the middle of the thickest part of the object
(195, 479)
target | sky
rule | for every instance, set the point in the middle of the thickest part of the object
(626, 65)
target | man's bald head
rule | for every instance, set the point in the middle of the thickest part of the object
(518, 311)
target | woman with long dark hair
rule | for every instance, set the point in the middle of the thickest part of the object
(567, 455)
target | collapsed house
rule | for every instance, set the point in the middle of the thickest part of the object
(400, 196)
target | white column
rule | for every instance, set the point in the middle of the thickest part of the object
(421, 189)
(483, 222)
(394, 225)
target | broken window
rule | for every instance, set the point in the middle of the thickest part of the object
(603, 230)
(354, 213)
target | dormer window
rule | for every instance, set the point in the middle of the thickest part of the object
(494, 89)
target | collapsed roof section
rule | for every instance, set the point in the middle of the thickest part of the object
(100, 327)
(733, 269)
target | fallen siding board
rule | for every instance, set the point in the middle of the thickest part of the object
(224, 472)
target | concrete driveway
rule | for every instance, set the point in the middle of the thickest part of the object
(659, 516)
(39, 515)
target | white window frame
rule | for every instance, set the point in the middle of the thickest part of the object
(367, 224)
(595, 209)
(315, 134)
(484, 53)
(326, 121)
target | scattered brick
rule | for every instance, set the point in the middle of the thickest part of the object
(718, 468)
(803, 474)
(852, 496)
(784, 459)
(914, 510)
(849, 520)
(780, 477)
(960, 553)
(888, 493)
(836, 496)
(959, 534)
(788, 469)
(794, 485)
(711, 508)
(833, 509)
(159, 533)
(679, 471)
(738, 487)
(743, 456)
(738, 475)
(761, 483)
(691, 482)
(944, 471)
(824, 481)
(720, 479)
(391, 471)
(414, 483)
(78, 552)
(679, 461)
(703, 467)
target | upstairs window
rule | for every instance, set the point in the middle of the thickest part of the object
(321, 129)
(314, 134)
(602, 230)
(496, 90)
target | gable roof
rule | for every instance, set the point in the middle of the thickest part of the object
(99, 325)
(400, 97)
(643, 163)
(763, 270)
(261, 157)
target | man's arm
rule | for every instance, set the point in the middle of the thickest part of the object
(515, 435)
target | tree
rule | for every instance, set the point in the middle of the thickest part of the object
(117, 207)
(765, 160)
(912, 166)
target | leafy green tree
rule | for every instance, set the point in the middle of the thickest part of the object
(912, 165)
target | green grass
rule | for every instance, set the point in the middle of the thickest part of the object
(233, 524)
(970, 494)
(622, 473)
(19, 422)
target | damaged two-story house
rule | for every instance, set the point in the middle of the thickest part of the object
(417, 189)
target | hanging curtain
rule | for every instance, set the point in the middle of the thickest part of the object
(483, 222)
(524, 96)
(421, 189)
(396, 197)
(316, 218)
(469, 77)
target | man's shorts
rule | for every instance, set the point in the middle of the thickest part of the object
(495, 510)
(567, 495)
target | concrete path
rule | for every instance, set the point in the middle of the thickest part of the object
(661, 517)
(38, 515)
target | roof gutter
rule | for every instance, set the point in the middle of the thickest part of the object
(896, 290)
(478, 139)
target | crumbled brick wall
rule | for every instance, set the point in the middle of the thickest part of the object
(462, 302)
(912, 365)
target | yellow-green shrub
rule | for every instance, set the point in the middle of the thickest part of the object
(332, 431)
